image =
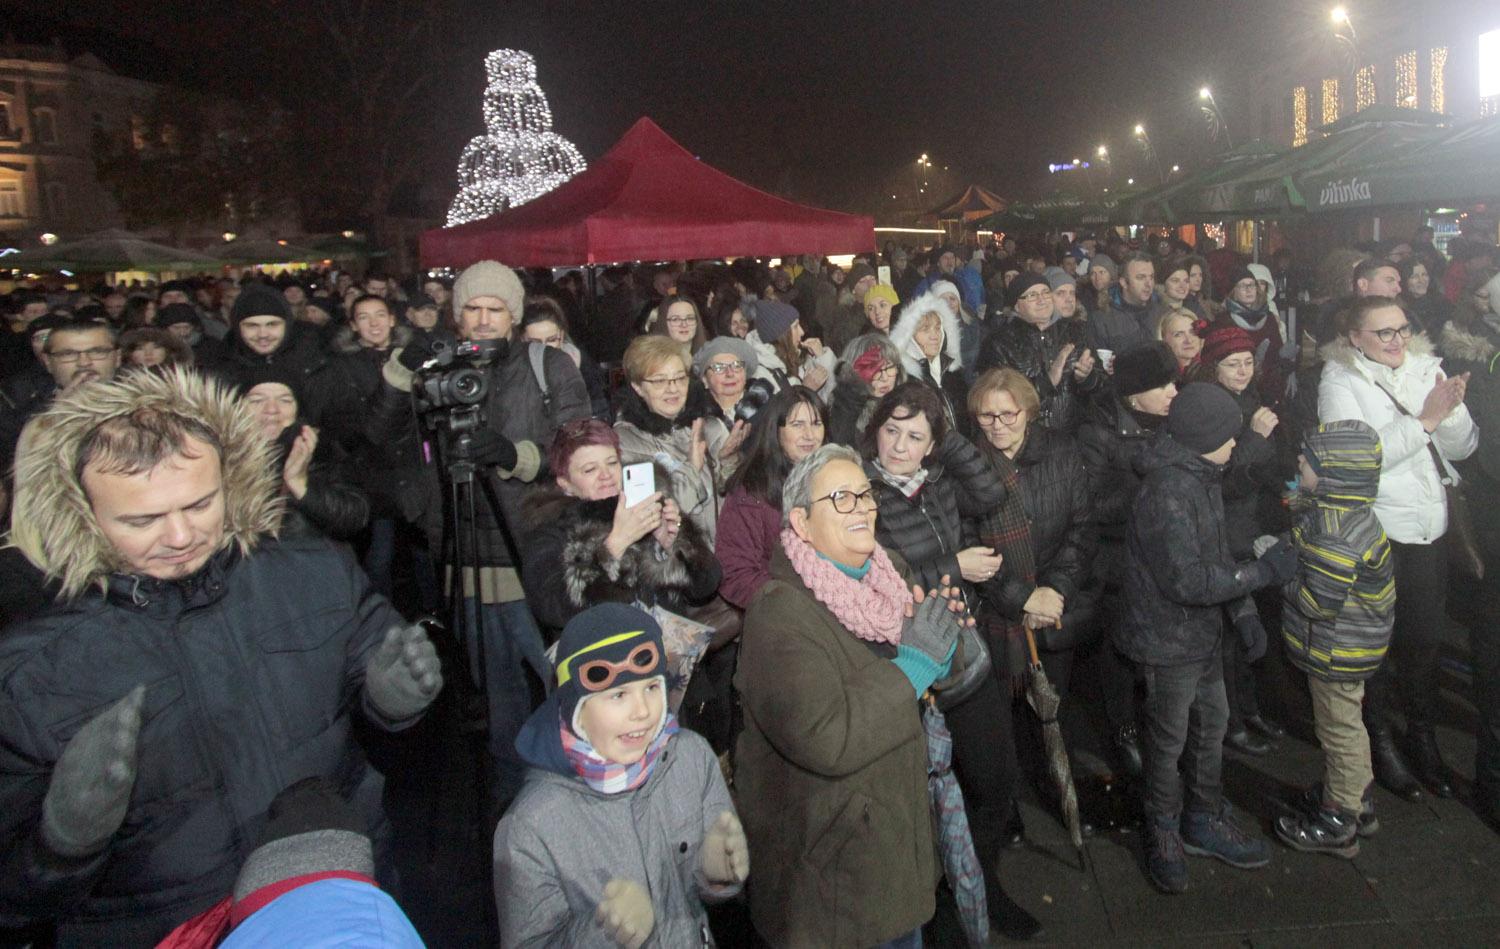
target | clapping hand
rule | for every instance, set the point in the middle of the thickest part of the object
(403, 674)
(298, 460)
(91, 783)
(726, 854)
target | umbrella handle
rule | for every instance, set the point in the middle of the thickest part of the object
(1031, 645)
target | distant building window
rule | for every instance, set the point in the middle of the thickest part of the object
(46, 126)
(57, 199)
(10, 199)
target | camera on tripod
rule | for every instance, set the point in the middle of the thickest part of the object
(450, 387)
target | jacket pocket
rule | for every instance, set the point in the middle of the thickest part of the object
(302, 671)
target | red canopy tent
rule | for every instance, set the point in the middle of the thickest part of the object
(647, 198)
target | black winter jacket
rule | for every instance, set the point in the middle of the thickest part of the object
(1110, 442)
(1055, 491)
(253, 667)
(333, 505)
(928, 530)
(566, 569)
(1254, 482)
(1179, 573)
(1019, 345)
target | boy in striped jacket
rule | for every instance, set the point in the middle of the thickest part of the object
(1336, 627)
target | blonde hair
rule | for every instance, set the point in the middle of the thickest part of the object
(1176, 313)
(646, 353)
(1009, 381)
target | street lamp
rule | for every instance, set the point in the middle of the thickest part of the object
(1342, 22)
(1176, 169)
(1215, 117)
(1102, 152)
(1140, 133)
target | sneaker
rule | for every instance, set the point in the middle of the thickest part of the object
(1166, 864)
(1311, 802)
(1215, 835)
(1246, 743)
(1332, 832)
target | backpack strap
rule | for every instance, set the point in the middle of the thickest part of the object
(537, 352)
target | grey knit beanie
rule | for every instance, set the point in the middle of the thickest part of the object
(489, 279)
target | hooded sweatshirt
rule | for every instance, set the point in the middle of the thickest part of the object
(1340, 608)
(562, 841)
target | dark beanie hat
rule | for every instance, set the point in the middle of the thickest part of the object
(249, 374)
(257, 299)
(1203, 417)
(860, 271)
(47, 321)
(1143, 369)
(1023, 283)
(772, 319)
(178, 313)
(1221, 342)
(1240, 272)
(604, 647)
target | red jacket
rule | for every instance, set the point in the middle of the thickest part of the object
(749, 531)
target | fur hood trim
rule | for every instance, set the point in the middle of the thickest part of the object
(52, 522)
(1460, 344)
(905, 328)
(346, 343)
(1343, 353)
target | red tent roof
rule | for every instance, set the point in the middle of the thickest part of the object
(647, 198)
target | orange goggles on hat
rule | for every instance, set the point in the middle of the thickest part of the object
(596, 675)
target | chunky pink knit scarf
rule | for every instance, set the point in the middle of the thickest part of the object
(872, 608)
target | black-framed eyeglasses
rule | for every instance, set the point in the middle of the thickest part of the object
(1386, 335)
(990, 418)
(845, 502)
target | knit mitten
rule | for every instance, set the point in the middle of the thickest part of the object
(403, 674)
(725, 855)
(91, 783)
(625, 913)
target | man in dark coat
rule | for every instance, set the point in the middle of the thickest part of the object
(1048, 350)
(1180, 579)
(192, 668)
(262, 332)
(1124, 325)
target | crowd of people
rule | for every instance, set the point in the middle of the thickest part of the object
(879, 491)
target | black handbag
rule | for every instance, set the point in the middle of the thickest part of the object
(971, 666)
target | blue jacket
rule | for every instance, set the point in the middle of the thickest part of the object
(327, 914)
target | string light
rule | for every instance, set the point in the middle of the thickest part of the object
(1406, 79)
(1330, 101)
(1439, 56)
(519, 157)
(1364, 88)
(1299, 115)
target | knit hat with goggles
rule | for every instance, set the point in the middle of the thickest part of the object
(603, 648)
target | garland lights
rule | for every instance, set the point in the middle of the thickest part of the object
(1299, 115)
(1439, 56)
(1406, 79)
(519, 157)
(1330, 101)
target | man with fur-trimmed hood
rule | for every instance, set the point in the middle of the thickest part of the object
(192, 667)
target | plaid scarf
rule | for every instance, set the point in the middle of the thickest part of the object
(908, 485)
(609, 777)
(1007, 530)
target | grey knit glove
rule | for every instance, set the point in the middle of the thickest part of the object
(91, 783)
(933, 627)
(403, 675)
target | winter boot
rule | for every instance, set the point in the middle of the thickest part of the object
(1128, 750)
(1390, 767)
(1335, 833)
(1247, 742)
(1426, 758)
(1215, 835)
(1166, 864)
(1310, 802)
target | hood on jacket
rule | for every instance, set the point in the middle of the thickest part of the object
(540, 740)
(1346, 456)
(1167, 452)
(1458, 343)
(52, 521)
(345, 342)
(905, 328)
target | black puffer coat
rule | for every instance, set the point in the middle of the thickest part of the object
(253, 669)
(333, 505)
(566, 569)
(1180, 575)
(1055, 491)
(1254, 482)
(1017, 344)
(1110, 442)
(928, 530)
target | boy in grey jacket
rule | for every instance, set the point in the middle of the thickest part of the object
(624, 827)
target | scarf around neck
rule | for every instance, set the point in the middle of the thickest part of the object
(908, 485)
(611, 777)
(873, 608)
(1246, 318)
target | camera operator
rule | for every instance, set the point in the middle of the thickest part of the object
(518, 416)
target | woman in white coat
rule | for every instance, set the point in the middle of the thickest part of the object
(1374, 364)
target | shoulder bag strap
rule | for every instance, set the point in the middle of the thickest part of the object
(1446, 473)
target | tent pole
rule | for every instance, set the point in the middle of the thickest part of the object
(1377, 228)
(1255, 240)
(591, 305)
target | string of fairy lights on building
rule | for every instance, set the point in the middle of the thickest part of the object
(1406, 79)
(1439, 59)
(519, 158)
(1299, 115)
(1330, 101)
(1364, 87)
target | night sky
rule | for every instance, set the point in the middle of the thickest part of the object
(825, 102)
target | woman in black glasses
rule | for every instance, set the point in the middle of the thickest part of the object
(1378, 372)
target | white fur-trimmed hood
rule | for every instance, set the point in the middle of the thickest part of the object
(905, 327)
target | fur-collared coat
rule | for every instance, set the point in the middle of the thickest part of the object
(566, 569)
(945, 373)
(253, 667)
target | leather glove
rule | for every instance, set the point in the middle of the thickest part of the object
(625, 913)
(725, 855)
(1252, 635)
(91, 783)
(403, 674)
(416, 352)
(491, 448)
(1282, 559)
(932, 628)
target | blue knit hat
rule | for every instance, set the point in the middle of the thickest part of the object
(772, 319)
(605, 647)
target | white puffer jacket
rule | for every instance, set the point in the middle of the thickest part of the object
(1411, 504)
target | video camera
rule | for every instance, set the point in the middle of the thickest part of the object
(454, 382)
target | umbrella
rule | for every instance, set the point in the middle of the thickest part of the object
(108, 251)
(266, 251)
(1044, 700)
(960, 862)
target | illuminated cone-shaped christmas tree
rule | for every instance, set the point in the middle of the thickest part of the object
(519, 157)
